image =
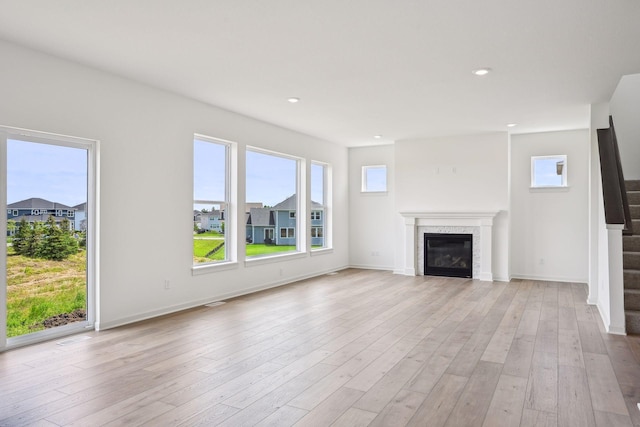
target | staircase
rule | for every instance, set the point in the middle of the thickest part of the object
(631, 261)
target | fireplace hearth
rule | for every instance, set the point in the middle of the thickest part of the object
(448, 255)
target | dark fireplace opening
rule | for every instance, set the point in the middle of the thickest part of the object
(448, 255)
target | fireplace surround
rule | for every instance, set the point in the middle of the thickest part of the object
(479, 224)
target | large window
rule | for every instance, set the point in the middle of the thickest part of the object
(319, 204)
(210, 200)
(272, 203)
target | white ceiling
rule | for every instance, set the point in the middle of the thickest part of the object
(401, 69)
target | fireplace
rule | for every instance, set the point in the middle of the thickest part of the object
(448, 254)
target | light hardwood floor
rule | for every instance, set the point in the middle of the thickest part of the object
(353, 349)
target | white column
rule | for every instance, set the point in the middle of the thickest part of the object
(616, 281)
(486, 242)
(410, 247)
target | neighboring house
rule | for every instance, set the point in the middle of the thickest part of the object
(277, 224)
(261, 226)
(211, 221)
(197, 219)
(80, 219)
(39, 210)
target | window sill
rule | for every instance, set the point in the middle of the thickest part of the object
(374, 193)
(197, 270)
(322, 251)
(270, 259)
(549, 189)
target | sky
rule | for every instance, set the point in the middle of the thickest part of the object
(50, 172)
(270, 179)
(59, 174)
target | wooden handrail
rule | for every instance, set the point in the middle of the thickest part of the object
(616, 205)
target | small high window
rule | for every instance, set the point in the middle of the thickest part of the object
(374, 179)
(548, 171)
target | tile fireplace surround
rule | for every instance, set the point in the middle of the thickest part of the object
(480, 224)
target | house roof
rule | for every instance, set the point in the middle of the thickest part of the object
(291, 204)
(261, 217)
(360, 68)
(37, 203)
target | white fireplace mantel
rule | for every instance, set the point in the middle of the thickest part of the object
(483, 220)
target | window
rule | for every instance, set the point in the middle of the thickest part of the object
(374, 179)
(287, 233)
(272, 202)
(210, 198)
(268, 234)
(58, 212)
(319, 204)
(15, 212)
(549, 171)
(71, 214)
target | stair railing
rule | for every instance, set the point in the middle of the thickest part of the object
(616, 205)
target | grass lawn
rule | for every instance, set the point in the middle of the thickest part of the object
(208, 234)
(255, 249)
(201, 247)
(38, 289)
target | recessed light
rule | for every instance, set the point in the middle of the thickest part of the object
(293, 100)
(481, 71)
(377, 136)
(511, 125)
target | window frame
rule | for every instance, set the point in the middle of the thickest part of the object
(223, 206)
(365, 184)
(564, 174)
(300, 242)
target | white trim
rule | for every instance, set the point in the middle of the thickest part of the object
(213, 267)
(563, 279)
(271, 258)
(481, 219)
(373, 267)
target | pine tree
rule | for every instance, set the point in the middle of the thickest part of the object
(21, 237)
(53, 246)
(70, 242)
(33, 243)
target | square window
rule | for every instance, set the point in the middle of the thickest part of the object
(549, 171)
(374, 179)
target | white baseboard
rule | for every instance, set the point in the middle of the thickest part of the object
(549, 278)
(100, 326)
(372, 267)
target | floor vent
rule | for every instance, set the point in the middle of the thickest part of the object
(214, 304)
(74, 340)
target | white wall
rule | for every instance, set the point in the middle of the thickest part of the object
(625, 110)
(371, 215)
(549, 228)
(146, 165)
(464, 173)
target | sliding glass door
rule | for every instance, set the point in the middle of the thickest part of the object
(48, 198)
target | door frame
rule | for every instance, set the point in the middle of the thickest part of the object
(93, 155)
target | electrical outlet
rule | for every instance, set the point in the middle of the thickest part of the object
(167, 284)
